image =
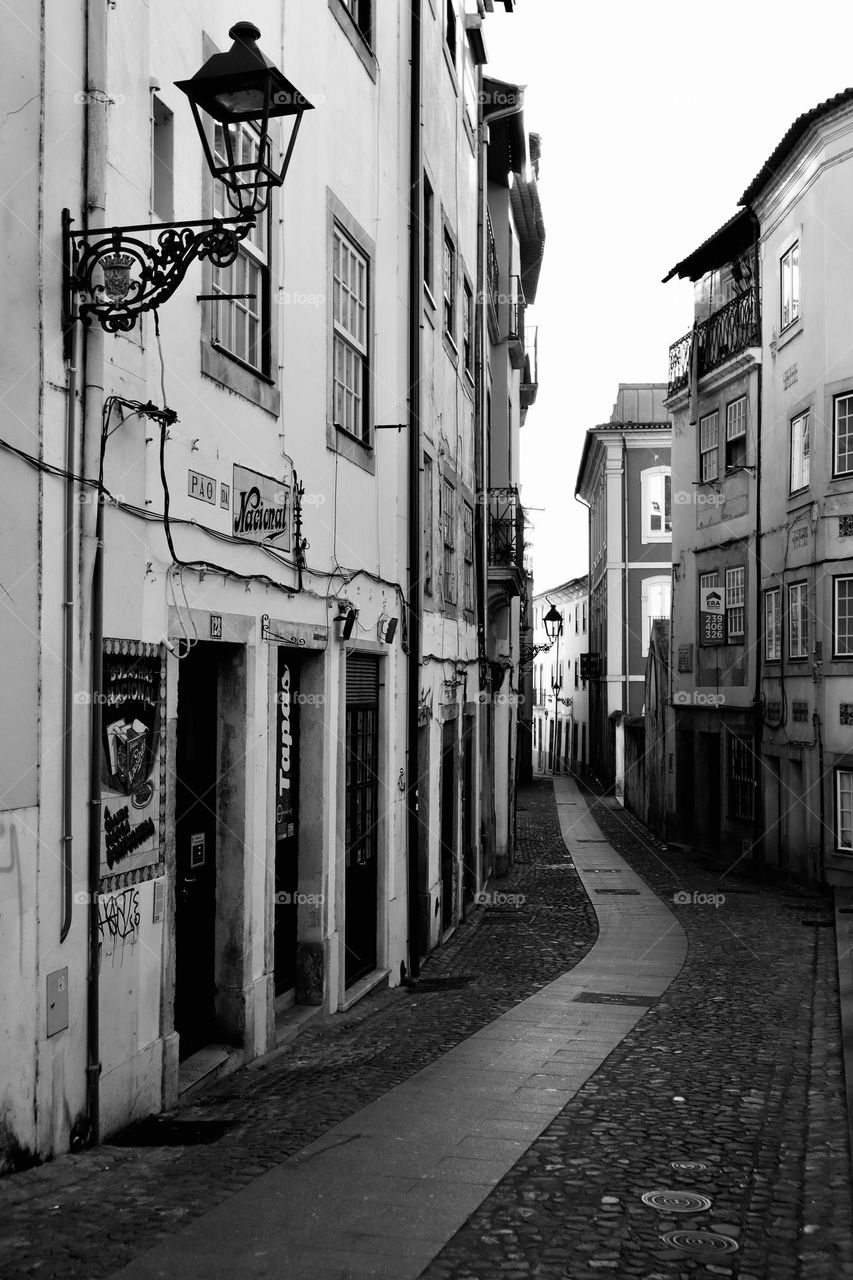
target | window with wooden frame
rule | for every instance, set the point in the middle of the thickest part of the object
(351, 320)
(844, 810)
(450, 30)
(429, 214)
(789, 270)
(735, 597)
(361, 12)
(428, 524)
(449, 285)
(736, 434)
(842, 609)
(448, 532)
(800, 448)
(467, 328)
(773, 624)
(468, 557)
(240, 312)
(740, 778)
(798, 620)
(709, 439)
(842, 435)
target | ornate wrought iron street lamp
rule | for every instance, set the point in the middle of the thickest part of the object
(553, 623)
(233, 98)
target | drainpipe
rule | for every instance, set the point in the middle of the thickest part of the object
(68, 637)
(93, 398)
(414, 656)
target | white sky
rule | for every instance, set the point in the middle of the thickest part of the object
(655, 116)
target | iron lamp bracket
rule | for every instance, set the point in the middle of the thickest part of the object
(120, 274)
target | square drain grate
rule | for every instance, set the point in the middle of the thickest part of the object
(623, 892)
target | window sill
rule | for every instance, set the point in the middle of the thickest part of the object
(428, 295)
(231, 373)
(359, 452)
(448, 62)
(355, 37)
(788, 333)
(451, 348)
(796, 495)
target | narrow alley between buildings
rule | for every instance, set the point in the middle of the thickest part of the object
(611, 1022)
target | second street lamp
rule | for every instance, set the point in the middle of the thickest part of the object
(553, 624)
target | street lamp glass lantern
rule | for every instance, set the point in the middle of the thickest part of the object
(553, 623)
(233, 98)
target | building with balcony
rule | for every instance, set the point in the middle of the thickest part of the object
(715, 402)
(624, 480)
(560, 691)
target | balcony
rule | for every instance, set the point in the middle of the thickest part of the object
(506, 541)
(530, 372)
(726, 333)
(515, 329)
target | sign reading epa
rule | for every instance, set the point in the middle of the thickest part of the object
(712, 616)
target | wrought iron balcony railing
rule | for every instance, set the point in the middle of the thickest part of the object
(530, 372)
(506, 529)
(493, 275)
(515, 326)
(727, 332)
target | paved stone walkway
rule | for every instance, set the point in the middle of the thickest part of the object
(735, 1075)
(87, 1215)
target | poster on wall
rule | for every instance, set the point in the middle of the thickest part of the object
(712, 616)
(133, 758)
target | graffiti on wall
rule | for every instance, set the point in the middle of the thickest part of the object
(133, 802)
(118, 923)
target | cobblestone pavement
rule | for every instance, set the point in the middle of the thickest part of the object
(737, 1069)
(89, 1214)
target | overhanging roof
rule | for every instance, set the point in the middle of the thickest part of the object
(722, 247)
(503, 105)
(616, 428)
(527, 213)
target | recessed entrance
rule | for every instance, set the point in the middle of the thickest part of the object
(362, 812)
(286, 820)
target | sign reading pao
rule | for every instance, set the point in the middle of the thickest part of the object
(262, 507)
(712, 616)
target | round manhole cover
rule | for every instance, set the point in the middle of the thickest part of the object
(690, 1166)
(700, 1242)
(676, 1201)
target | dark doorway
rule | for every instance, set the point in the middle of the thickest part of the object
(773, 845)
(685, 795)
(469, 817)
(286, 820)
(709, 749)
(196, 773)
(448, 820)
(362, 812)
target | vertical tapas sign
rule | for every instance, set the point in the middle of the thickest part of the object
(133, 760)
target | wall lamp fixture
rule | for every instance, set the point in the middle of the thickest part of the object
(233, 98)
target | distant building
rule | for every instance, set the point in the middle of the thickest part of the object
(560, 692)
(624, 479)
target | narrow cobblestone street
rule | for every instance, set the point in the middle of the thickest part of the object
(736, 1070)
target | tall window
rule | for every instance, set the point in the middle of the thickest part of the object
(740, 778)
(428, 524)
(162, 157)
(656, 486)
(351, 317)
(241, 312)
(790, 282)
(428, 226)
(800, 452)
(773, 624)
(709, 431)
(448, 503)
(360, 12)
(734, 602)
(844, 809)
(843, 435)
(843, 643)
(449, 285)
(736, 433)
(655, 603)
(467, 328)
(798, 621)
(468, 557)
(450, 30)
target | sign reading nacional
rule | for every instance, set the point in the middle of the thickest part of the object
(262, 508)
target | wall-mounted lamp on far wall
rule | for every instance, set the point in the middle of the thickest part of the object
(386, 628)
(346, 620)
